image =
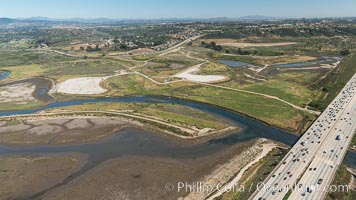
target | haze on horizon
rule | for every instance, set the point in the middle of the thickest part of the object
(151, 9)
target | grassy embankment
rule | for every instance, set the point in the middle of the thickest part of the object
(289, 91)
(256, 174)
(342, 178)
(332, 84)
(175, 114)
(14, 106)
(260, 171)
(353, 143)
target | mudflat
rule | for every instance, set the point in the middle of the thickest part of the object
(18, 93)
(143, 177)
(65, 130)
(23, 175)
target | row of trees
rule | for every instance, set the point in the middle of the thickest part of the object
(239, 51)
(211, 45)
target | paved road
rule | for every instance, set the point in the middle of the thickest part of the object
(317, 154)
(175, 47)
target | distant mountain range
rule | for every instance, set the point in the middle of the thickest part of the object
(108, 20)
(69, 20)
(46, 19)
(260, 17)
(6, 20)
(99, 20)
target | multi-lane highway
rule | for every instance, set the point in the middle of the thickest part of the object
(311, 164)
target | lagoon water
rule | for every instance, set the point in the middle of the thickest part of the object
(250, 126)
(127, 143)
(4, 75)
(322, 60)
(232, 63)
(138, 142)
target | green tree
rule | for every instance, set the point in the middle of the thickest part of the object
(345, 52)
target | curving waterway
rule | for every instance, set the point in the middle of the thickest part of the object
(134, 141)
(250, 128)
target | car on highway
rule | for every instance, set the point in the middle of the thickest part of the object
(309, 189)
(320, 181)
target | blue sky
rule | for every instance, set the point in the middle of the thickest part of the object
(175, 8)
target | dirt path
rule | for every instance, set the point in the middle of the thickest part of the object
(154, 81)
(268, 147)
(176, 47)
(255, 78)
(57, 52)
(327, 73)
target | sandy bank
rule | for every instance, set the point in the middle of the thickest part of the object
(237, 165)
(266, 148)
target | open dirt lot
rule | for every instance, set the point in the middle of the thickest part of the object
(190, 74)
(84, 85)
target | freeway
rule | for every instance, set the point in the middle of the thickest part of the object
(314, 159)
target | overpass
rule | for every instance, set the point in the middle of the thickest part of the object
(310, 166)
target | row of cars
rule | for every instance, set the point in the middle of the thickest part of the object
(314, 142)
(330, 155)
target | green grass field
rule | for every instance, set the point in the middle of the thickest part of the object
(291, 92)
(28, 57)
(25, 71)
(27, 105)
(65, 69)
(334, 81)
